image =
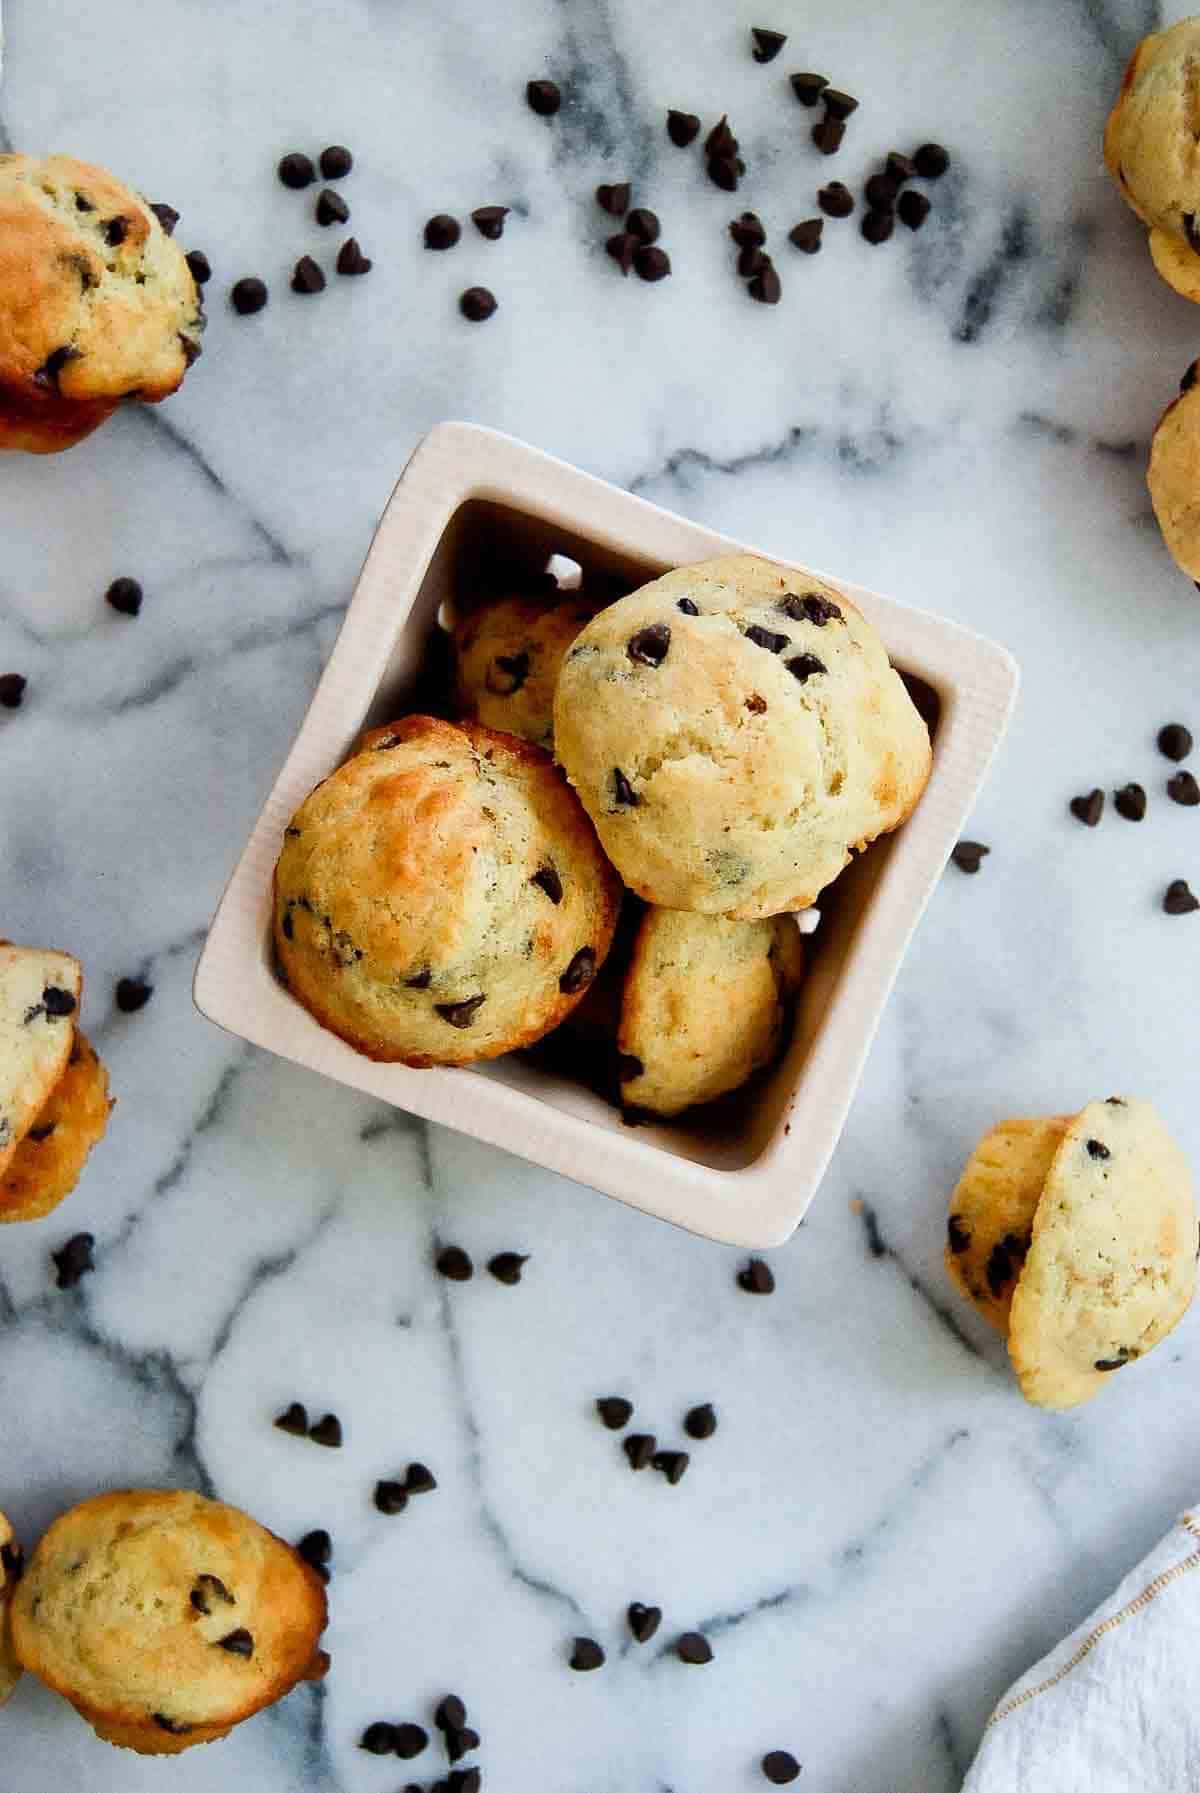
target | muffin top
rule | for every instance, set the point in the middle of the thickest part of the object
(442, 896)
(47, 1162)
(508, 656)
(735, 731)
(1174, 473)
(39, 1000)
(96, 300)
(990, 1228)
(1152, 138)
(166, 1611)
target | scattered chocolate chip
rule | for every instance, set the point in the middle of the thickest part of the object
(579, 972)
(336, 162)
(294, 1419)
(808, 88)
(419, 1480)
(477, 304)
(327, 1431)
(806, 236)
(248, 296)
(931, 161)
(167, 216)
(766, 287)
(460, 1014)
(1089, 809)
(464, 1780)
(451, 1714)
(489, 221)
(410, 1740)
(651, 263)
(1130, 802)
(767, 638)
(613, 197)
(442, 231)
(586, 1654)
(1175, 741)
(296, 171)
(623, 791)
(901, 168)
(751, 261)
(721, 140)
(307, 276)
(639, 1447)
(116, 231)
(877, 227)
(316, 1549)
(1182, 788)
(958, 1235)
(460, 1743)
(644, 1621)
(378, 1739)
(724, 172)
(506, 674)
(173, 1727)
(615, 1411)
(643, 224)
(838, 104)
(701, 1422)
(756, 1278)
(682, 128)
(649, 646)
(805, 667)
(779, 1767)
(747, 231)
(693, 1648)
(124, 595)
(544, 97)
(453, 1262)
(672, 1464)
(827, 134)
(547, 879)
(390, 1497)
(133, 993)
(351, 259)
(835, 200)
(1178, 899)
(912, 208)
(687, 606)
(880, 192)
(331, 207)
(767, 44)
(200, 266)
(622, 247)
(969, 855)
(238, 1642)
(73, 1260)
(507, 1266)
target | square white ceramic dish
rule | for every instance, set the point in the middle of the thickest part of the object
(471, 499)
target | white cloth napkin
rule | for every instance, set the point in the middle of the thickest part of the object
(1116, 1707)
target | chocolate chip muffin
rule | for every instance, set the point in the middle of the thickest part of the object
(39, 1000)
(1096, 1262)
(442, 897)
(1174, 473)
(508, 655)
(736, 732)
(166, 1619)
(97, 303)
(10, 1572)
(1150, 148)
(49, 1160)
(705, 1005)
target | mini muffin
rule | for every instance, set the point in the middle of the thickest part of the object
(1097, 1264)
(736, 732)
(39, 1000)
(47, 1163)
(10, 1573)
(508, 655)
(166, 1618)
(1174, 473)
(97, 304)
(1150, 148)
(442, 897)
(705, 1006)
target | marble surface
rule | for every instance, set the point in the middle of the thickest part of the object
(881, 1535)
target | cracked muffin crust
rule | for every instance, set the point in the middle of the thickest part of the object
(10, 1573)
(736, 733)
(1173, 474)
(166, 1618)
(508, 657)
(442, 897)
(47, 1163)
(1152, 149)
(97, 303)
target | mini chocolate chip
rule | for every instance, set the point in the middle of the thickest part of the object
(756, 1278)
(779, 1767)
(751, 261)
(489, 221)
(721, 140)
(167, 216)
(391, 1497)
(644, 1621)
(351, 259)
(649, 646)
(687, 606)
(672, 1464)
(912, 208)
(460, 1743)
(453, 1262)
(880, 192)
(420, 981)
(644, 225)
(1130, 802)
(767, 44)
(693, 1648)
(208, 1588)
(133, 993)
(827, 134)
(901, 168)
(307, 276)
(248, 296)
(724, 171)
(806, 236)
(442, 231)
(969, 855)
(12, 689)
(460, 1014)
(336, 162)
(238, 1643)
(507, 1266)
(410, 1740)
(756, 705)
(378, 1739)
(477, 304)
(622, 247)
(124, 595)
(579, 972)
(1178, 899)
(767, 638)
(811, 608)
(47, 374)
(316, 1548)
(586, 1654)
(958, 1235)
(83, 203)
(201, 268)
(1089, 809)
(805, 667)
(628, 1067)
(547, 879)
(296, 171)
(294, 1419)
(931, 161)
(766, 287)
(747, 231)
(701, 1422)
(419, 1480)
(1114, 1101)
(651, 263)
(623, 791)
(999, 1270)
(116, 231)
(838, 104)
(451, 1714)
(835, 200)
(682, 128)
(506, 674)
(808, 88)
(544, 97)
(640, 1447)
(327, 1431)
(615, 1411)
(174, 1727)
(58, 1003)
(1174, 740)
(1104, 1364)
(38, 1134)
(1182, 788)
(877, 227)
(1097, 1149)
(613, 197)
(331, 207)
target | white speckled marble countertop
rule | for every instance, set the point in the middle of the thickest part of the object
(881, 1535)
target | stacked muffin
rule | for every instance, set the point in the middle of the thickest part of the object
(726, 739)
